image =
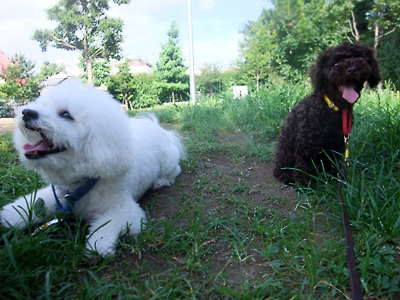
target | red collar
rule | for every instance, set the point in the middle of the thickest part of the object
(347, 115)
(347, 118)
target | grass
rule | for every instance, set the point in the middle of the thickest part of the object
(226, 230)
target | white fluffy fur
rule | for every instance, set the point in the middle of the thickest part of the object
(129, 155)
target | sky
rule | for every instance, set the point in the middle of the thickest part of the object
(216, 29)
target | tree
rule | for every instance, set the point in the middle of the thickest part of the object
(171, 73)
(286, 39)
(84, 27)
(122, 85)
(147, 92)
(135, 91)
(377, 23)
(388, 52)
(49, 69)
(385, 16)
(257, 51)
(101, 72)
(20, 82)
(210, 79)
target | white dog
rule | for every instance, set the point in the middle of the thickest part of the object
(80, 141)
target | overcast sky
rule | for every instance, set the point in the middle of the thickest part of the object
(216, 26)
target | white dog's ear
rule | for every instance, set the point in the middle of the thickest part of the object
(107, 139)
(108, 147)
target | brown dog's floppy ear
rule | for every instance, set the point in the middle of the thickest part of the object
(316, 71)
(375, 75)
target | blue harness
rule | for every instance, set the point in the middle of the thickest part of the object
(71, 198)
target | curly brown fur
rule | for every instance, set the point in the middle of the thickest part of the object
(312, 129)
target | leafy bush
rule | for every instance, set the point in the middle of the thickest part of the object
(147, 91)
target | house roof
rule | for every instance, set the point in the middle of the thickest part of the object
(52, 81)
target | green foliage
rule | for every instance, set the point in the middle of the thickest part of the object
(122, 85)
(385, 15)
(210, 80)
(316, 26)
(20, 82)
(234, 76)
(101, 72)
(137, 91)
(83, 26)
(257, 51)
(361, 9)
(389, 53)
(286, 39)
(147, 91)
(171, 73)
(49, 69)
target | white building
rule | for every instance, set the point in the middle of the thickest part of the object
(136, 65)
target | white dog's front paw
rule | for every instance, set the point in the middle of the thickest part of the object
(102, 245)
(15, 216)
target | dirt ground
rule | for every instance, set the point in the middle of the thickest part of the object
(7, 125)
(258, 176)
(265, 191)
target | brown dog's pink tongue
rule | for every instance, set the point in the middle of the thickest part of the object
(40, 146)
(350, 94)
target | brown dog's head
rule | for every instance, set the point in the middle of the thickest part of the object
(341, 71)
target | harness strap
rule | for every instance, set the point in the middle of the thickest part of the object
(71, 198)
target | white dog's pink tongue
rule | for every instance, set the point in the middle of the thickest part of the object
(40, 146)
(350, 94)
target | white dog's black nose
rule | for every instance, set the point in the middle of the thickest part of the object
(29, 114)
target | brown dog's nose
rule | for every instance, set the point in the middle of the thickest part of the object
(351, 70)
(29, 114)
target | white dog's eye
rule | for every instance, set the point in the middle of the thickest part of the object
(66, 115)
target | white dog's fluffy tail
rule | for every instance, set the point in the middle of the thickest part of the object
(177, 140)
(148, 116)
(175, 137)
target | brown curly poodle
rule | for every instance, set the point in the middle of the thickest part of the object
(313, 129)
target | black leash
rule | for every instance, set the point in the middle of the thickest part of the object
(347, 120)
(351, 258)
(347, 117)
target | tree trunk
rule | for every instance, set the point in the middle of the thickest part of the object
(86, 58)
(376, 39)
(173, 97)
(258, 77)
(89, 70)
(258, 82)
(355, 32)
(376, 43)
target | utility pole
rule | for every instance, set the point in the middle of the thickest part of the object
(192, 82)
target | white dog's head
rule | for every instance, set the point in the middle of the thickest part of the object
(74, 132)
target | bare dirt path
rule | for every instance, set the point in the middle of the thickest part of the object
(7, 125)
